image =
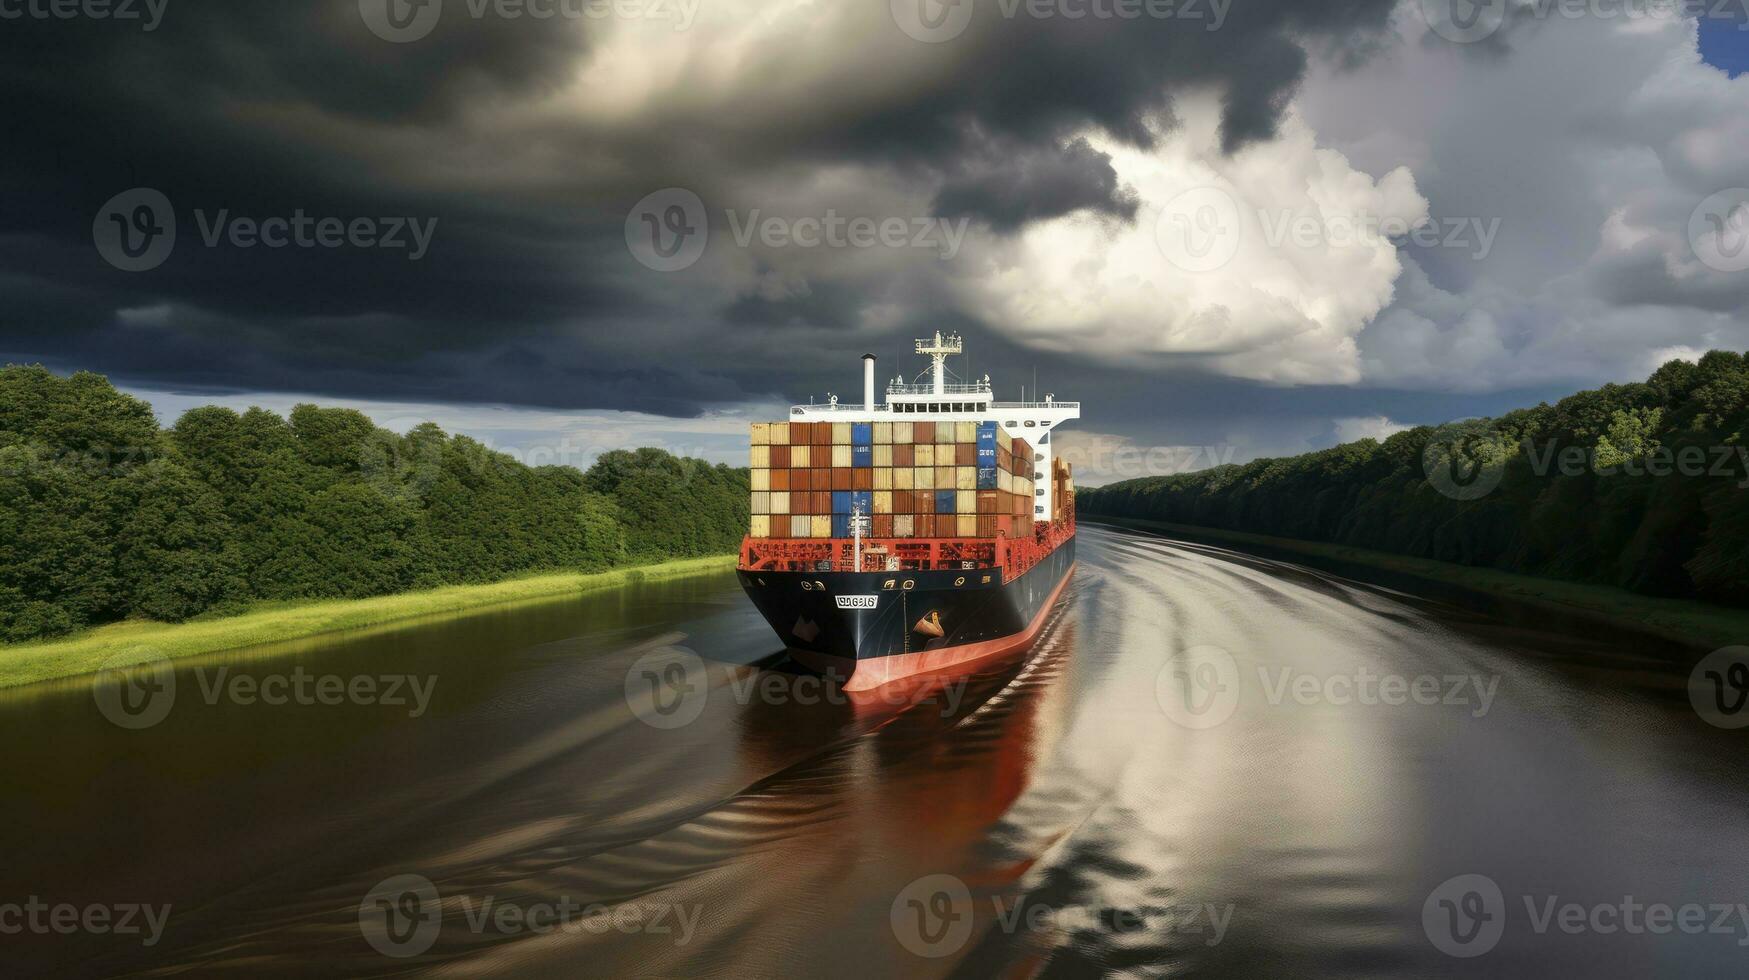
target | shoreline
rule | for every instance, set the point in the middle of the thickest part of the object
(135, 641)
(1685, 622)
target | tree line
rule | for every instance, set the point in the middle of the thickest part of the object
(1641, 486)
(104, 515)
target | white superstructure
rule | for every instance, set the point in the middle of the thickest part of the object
(945, 399)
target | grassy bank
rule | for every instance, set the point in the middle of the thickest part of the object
(1681, 620)
(134, 641)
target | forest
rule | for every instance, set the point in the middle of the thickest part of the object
(1642, 486)
(104, 515)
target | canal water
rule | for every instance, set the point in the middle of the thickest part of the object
(1210, 765)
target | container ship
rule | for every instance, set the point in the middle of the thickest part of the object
(910, 537)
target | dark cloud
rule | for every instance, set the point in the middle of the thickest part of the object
(267, 109)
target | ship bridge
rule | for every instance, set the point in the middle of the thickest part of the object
(943, 398)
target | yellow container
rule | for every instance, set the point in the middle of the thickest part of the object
(924, 455)
(841, 433)
(966, 502)
(946, 477)
(761, 503)
(760, 526)
(883, 501)
(903, 478)
(840, 455)
(965, 478)
(968, 525)
(761, 434)
(1005, 481)
(761, 480)
(799, 456)
(883, 478)
(779, 434)
(883, 435)
(902, 433)
(965, 432)
(1004, 438)
(780, 501)
(761, 456)
(820, 526)
(904, 526)
(923, 478)
(801, 526)
(883, 455)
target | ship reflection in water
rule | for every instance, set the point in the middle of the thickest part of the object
(623, 785)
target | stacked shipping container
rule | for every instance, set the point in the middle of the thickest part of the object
(913, 479)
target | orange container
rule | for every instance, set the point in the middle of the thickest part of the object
(840, 478)
(862, 478)
(883, 525)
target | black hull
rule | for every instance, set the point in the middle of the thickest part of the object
(817, 613)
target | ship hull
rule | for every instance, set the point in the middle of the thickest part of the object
(868, 629)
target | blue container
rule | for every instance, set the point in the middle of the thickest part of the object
(862, 500)
(986, 435)
(987, 478)
(841, 502)
(945, 502)
(862, 433)
(861, 455)
(841, 525)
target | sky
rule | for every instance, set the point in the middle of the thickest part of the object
(1229, 228)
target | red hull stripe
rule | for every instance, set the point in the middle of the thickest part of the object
(867, 675)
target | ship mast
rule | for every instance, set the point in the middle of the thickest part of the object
(938, 350)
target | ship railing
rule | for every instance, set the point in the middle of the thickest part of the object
(986, 406)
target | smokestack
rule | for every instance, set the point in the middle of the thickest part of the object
(868, 366)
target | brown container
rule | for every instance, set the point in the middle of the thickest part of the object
(883, 525)
(810, 479)
(862, 478)
(780, 479)
(801, 433)
(966, 454)
(987, 526)
(779, 526)
(801, 502)
(821, 434)
(988, 503)
(780, 457)
(840, 478)
(923, 432)
(904, 455)
(820, 502)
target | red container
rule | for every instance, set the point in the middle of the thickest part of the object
(840, 479)
(904, 455)
(883, 525)
(820, 501)
(987, 526)
(779, 526)
(822, 435)
(800, 502)
(801, 433)
(966, 454)
(988, 503)
(779, 457)
(862, 478)
(923, 433)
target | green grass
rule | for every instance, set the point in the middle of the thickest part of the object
(1682, 620)
(134, 641)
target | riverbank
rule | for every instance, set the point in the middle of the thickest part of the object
(135, 641)
(1682, 621)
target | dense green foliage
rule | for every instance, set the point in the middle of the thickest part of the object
(1641, 486)
(103, 515)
